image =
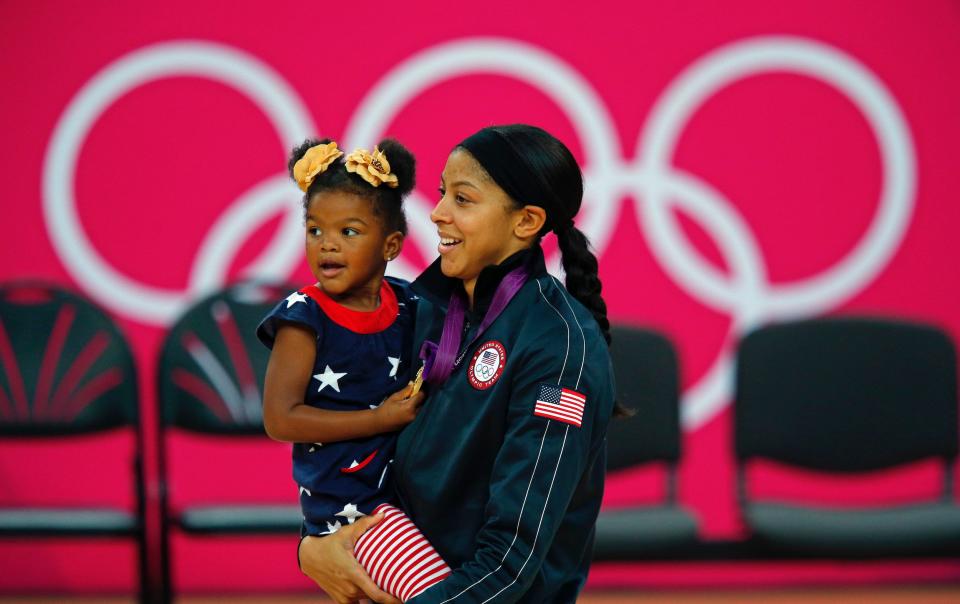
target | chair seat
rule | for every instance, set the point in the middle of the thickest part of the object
(241, 519)
(66, 522)
(857, 532)
(629, 533)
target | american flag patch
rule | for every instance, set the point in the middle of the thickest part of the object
(488, 357)
(398, 557)
(560, 404)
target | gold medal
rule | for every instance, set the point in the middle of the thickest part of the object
(417, 382)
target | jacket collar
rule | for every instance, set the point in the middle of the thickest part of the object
(437, 287)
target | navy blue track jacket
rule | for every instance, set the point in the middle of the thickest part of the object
(495, 469)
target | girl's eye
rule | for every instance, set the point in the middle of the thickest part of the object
(349, 232)
(313, 231)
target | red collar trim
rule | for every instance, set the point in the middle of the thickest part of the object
(358, 321)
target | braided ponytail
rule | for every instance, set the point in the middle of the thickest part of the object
(581, 268)
(583, 283)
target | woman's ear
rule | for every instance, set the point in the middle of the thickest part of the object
(392, 246)
(531, 221)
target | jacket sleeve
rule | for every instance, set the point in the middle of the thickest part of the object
(536, 472)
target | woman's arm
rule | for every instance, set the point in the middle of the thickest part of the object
(330, 563)
(286, 417)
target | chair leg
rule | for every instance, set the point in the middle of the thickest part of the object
(166, 580)
(146, 590)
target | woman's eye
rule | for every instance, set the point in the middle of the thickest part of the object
(462, 200)
(442, 191)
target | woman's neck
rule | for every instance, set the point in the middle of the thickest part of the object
(470, 285)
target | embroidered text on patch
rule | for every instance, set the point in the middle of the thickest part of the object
(560, 404)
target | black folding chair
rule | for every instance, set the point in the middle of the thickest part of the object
(210, 380)
(68, 371)
(647, 374)
(848, 395)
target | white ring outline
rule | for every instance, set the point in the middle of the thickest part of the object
(524, 62)
(755, 56)
(757, 299)
(220, 63)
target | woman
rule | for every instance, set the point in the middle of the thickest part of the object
(503, 468)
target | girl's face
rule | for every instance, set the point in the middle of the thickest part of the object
(348, 247)
(475, 219)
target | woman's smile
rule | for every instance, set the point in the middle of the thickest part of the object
(447, 243)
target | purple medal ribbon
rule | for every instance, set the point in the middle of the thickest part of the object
(440, 361)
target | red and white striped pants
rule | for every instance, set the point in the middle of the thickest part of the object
(398, 557)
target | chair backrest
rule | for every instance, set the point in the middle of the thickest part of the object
(648, 381)
(66, 368)
(846, 394)
(212, 365)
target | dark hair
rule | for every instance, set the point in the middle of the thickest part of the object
(387, 201)
(534, 168)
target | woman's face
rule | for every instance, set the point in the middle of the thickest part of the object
(475, 219)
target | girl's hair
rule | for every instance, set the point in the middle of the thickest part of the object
(387, 202)
(534, 168)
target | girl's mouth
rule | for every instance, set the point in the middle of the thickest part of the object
(330, 269)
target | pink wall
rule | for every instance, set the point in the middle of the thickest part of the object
(745, 163)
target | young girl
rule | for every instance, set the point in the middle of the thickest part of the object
(342, 346)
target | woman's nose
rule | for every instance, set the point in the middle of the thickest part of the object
(439, 213)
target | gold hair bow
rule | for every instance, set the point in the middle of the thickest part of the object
(317, 159)
(372, 167)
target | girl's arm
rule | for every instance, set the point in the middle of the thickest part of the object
(287, 418)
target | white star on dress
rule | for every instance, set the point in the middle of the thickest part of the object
(394, 365)
(296, 297)
(332, 528)
(305, 490)
(314, 448)
(350, 512)
(329, 378)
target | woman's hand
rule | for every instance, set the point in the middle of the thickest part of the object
(397, 410)
(329, 561)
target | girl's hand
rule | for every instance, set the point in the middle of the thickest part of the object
(329, 561)
(399, 409)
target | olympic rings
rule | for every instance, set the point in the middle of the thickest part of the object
(656, 186)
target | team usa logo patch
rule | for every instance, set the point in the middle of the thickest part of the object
(487, 365)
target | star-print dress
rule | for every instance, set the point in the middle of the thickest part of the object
(362, 358)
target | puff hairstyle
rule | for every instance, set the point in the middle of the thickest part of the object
(549, 172)
(387, 202)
